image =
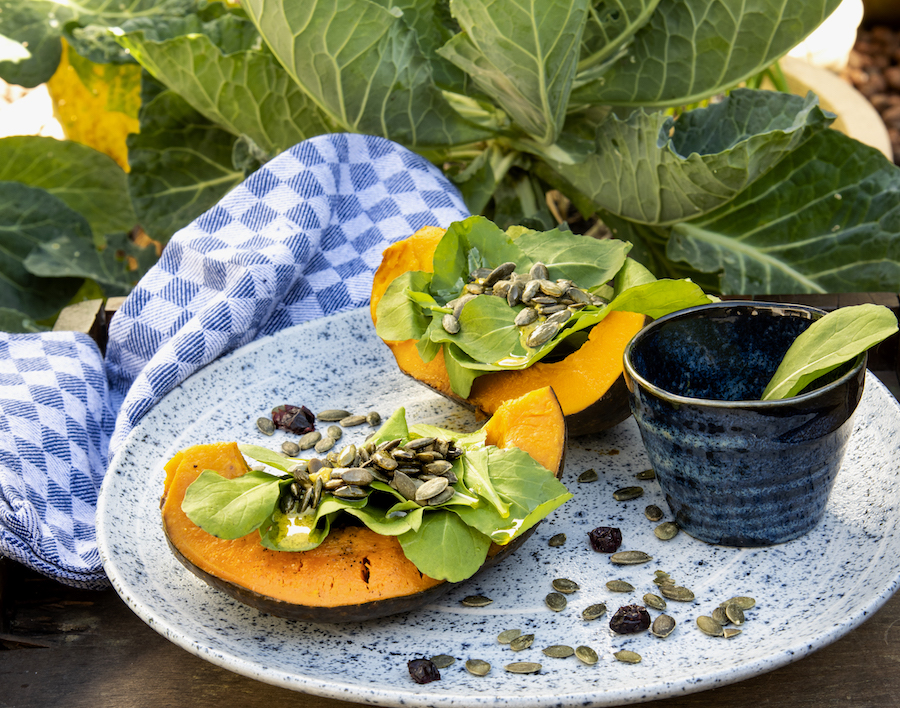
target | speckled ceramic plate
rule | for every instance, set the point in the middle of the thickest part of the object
(810, 591)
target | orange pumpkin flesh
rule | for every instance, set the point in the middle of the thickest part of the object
(589, 382)
(355, 574)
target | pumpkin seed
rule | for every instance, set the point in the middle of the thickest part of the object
(719, 616)
(373, 418)
(628, 493)
(514, 294)
(352, 421)
(477, 667)
(593, 612)
(309, 440)
(442, 661)
(729, 632)
(709, 626)
(507, 635)
(564, 585)
(265, 426)
(588, 476)
(526, 316)
(662, 626)
(742, 601)
(666, 531)
(646, 474)
(654, 601)
(350, 491)
(630, 558)
(450, 324)
(677, 593)
(431, 488)
(619, 586)
(324, 445)
(653, 512)
(660, 574)
(291, 449)
(541, 334)
(558, 651)
(557, 540)
(523, 667)
(734, 613)
(476, 601)
(332, 415)
(538, 272)
(556, 601)
(358, 476)
(499, 273)
(441, 498)
(347, 456)
(628, 657)
(334, 431)
(586, 655)
(522, 642)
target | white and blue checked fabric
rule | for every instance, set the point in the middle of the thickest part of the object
(299, 239)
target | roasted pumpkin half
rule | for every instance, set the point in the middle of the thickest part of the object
(354, 574)
(589, 381)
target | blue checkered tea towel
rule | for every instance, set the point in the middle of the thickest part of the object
(299, 239)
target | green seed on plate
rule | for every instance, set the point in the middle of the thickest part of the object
(729, 632)
(628, 493)
(557, 540)
(477, 667)
(654, 601)
(522, 642)
(734, 612)
(646, 474)
(334, 431)
(588, 476)
(742, 601)
(709, 626)
(719, 616)
(556, 601)
(442, 661)
(586, 655)
(653, 512)
(666, 531)
(352, 421)
(630, 558)
(265, 426)
(677, 593)
(619, 586)
(332, 415)
(593, 612)
(507, 635)
(559, 651)
(476, 601)
(523, 667)
(662, 626)
(309, 440)
(628, 657)
(564, 585)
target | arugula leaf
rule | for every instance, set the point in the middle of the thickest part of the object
(477, 478)
(231, 508)
(398, 315)
(445, 547)
(393, 428)
(487, 330)
(586, 261)
(398, 519)
(266, 456)
(295, 533)
(836, 338)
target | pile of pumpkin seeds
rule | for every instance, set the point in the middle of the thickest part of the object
(727, 617)
(548, 304)
(421, 471)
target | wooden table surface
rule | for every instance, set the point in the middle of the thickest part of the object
(68, 648)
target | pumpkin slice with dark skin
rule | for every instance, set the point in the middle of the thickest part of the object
(589, 382)
(355, 574)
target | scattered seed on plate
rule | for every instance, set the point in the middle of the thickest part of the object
(373, 418)
(351, 421)
(653, 512)
(522, 642)
(734, 612)
(588, 476)
(628, 657)
(324, 445)
(742, 601)
(332, 415)
(676, 592)
(476, 601)
(334, 431)
(646, 474)
(666, 531)
(709, 626)
(266, 426)
(556, 601)
(477, 667)
(719, 616)
(619, 586)
(523, 667)
(586, 655)
(507, 635)
(309, 440)
(291, 449)
(662, 626)
(628, 493)
(558, 651)
(442, 661)
(593, 612)
(557, 540)
(654, 601)
(630, 558)
(729, 632)
(564, 585)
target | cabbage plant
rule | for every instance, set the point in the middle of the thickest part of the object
(752, 192)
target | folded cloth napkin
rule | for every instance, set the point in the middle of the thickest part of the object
(299, 239)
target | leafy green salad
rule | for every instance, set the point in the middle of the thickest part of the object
(498, 495)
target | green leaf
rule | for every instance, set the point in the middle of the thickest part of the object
(631, 275)
(586, 261)
(219, 70)
(266, 456)
(522, 55)
(692, 49)
(838, 337)
(231, 508)
(30, 49)
(610, 27)
(653, 170)
(29, 218)
(445, 547)
(825, 219)
(659, 297)
(477, 478)
(398, 519)
(88, 181)
(362, 65)
(399, 316)
(180, 165)
(487, 330)
(15, 321)
(393, 428)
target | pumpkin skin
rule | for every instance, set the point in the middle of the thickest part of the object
(589, 382)
(355, 574)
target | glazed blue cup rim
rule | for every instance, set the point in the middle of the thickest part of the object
(689, 313)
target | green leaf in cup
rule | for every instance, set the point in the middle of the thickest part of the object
(836, 338)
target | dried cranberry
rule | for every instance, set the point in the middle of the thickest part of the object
(629, 619)
(294, 419)
(423, 671)
(605, 539)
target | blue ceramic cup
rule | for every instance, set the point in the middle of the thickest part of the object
(736, 470)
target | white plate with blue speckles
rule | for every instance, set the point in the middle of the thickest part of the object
(853, 555)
